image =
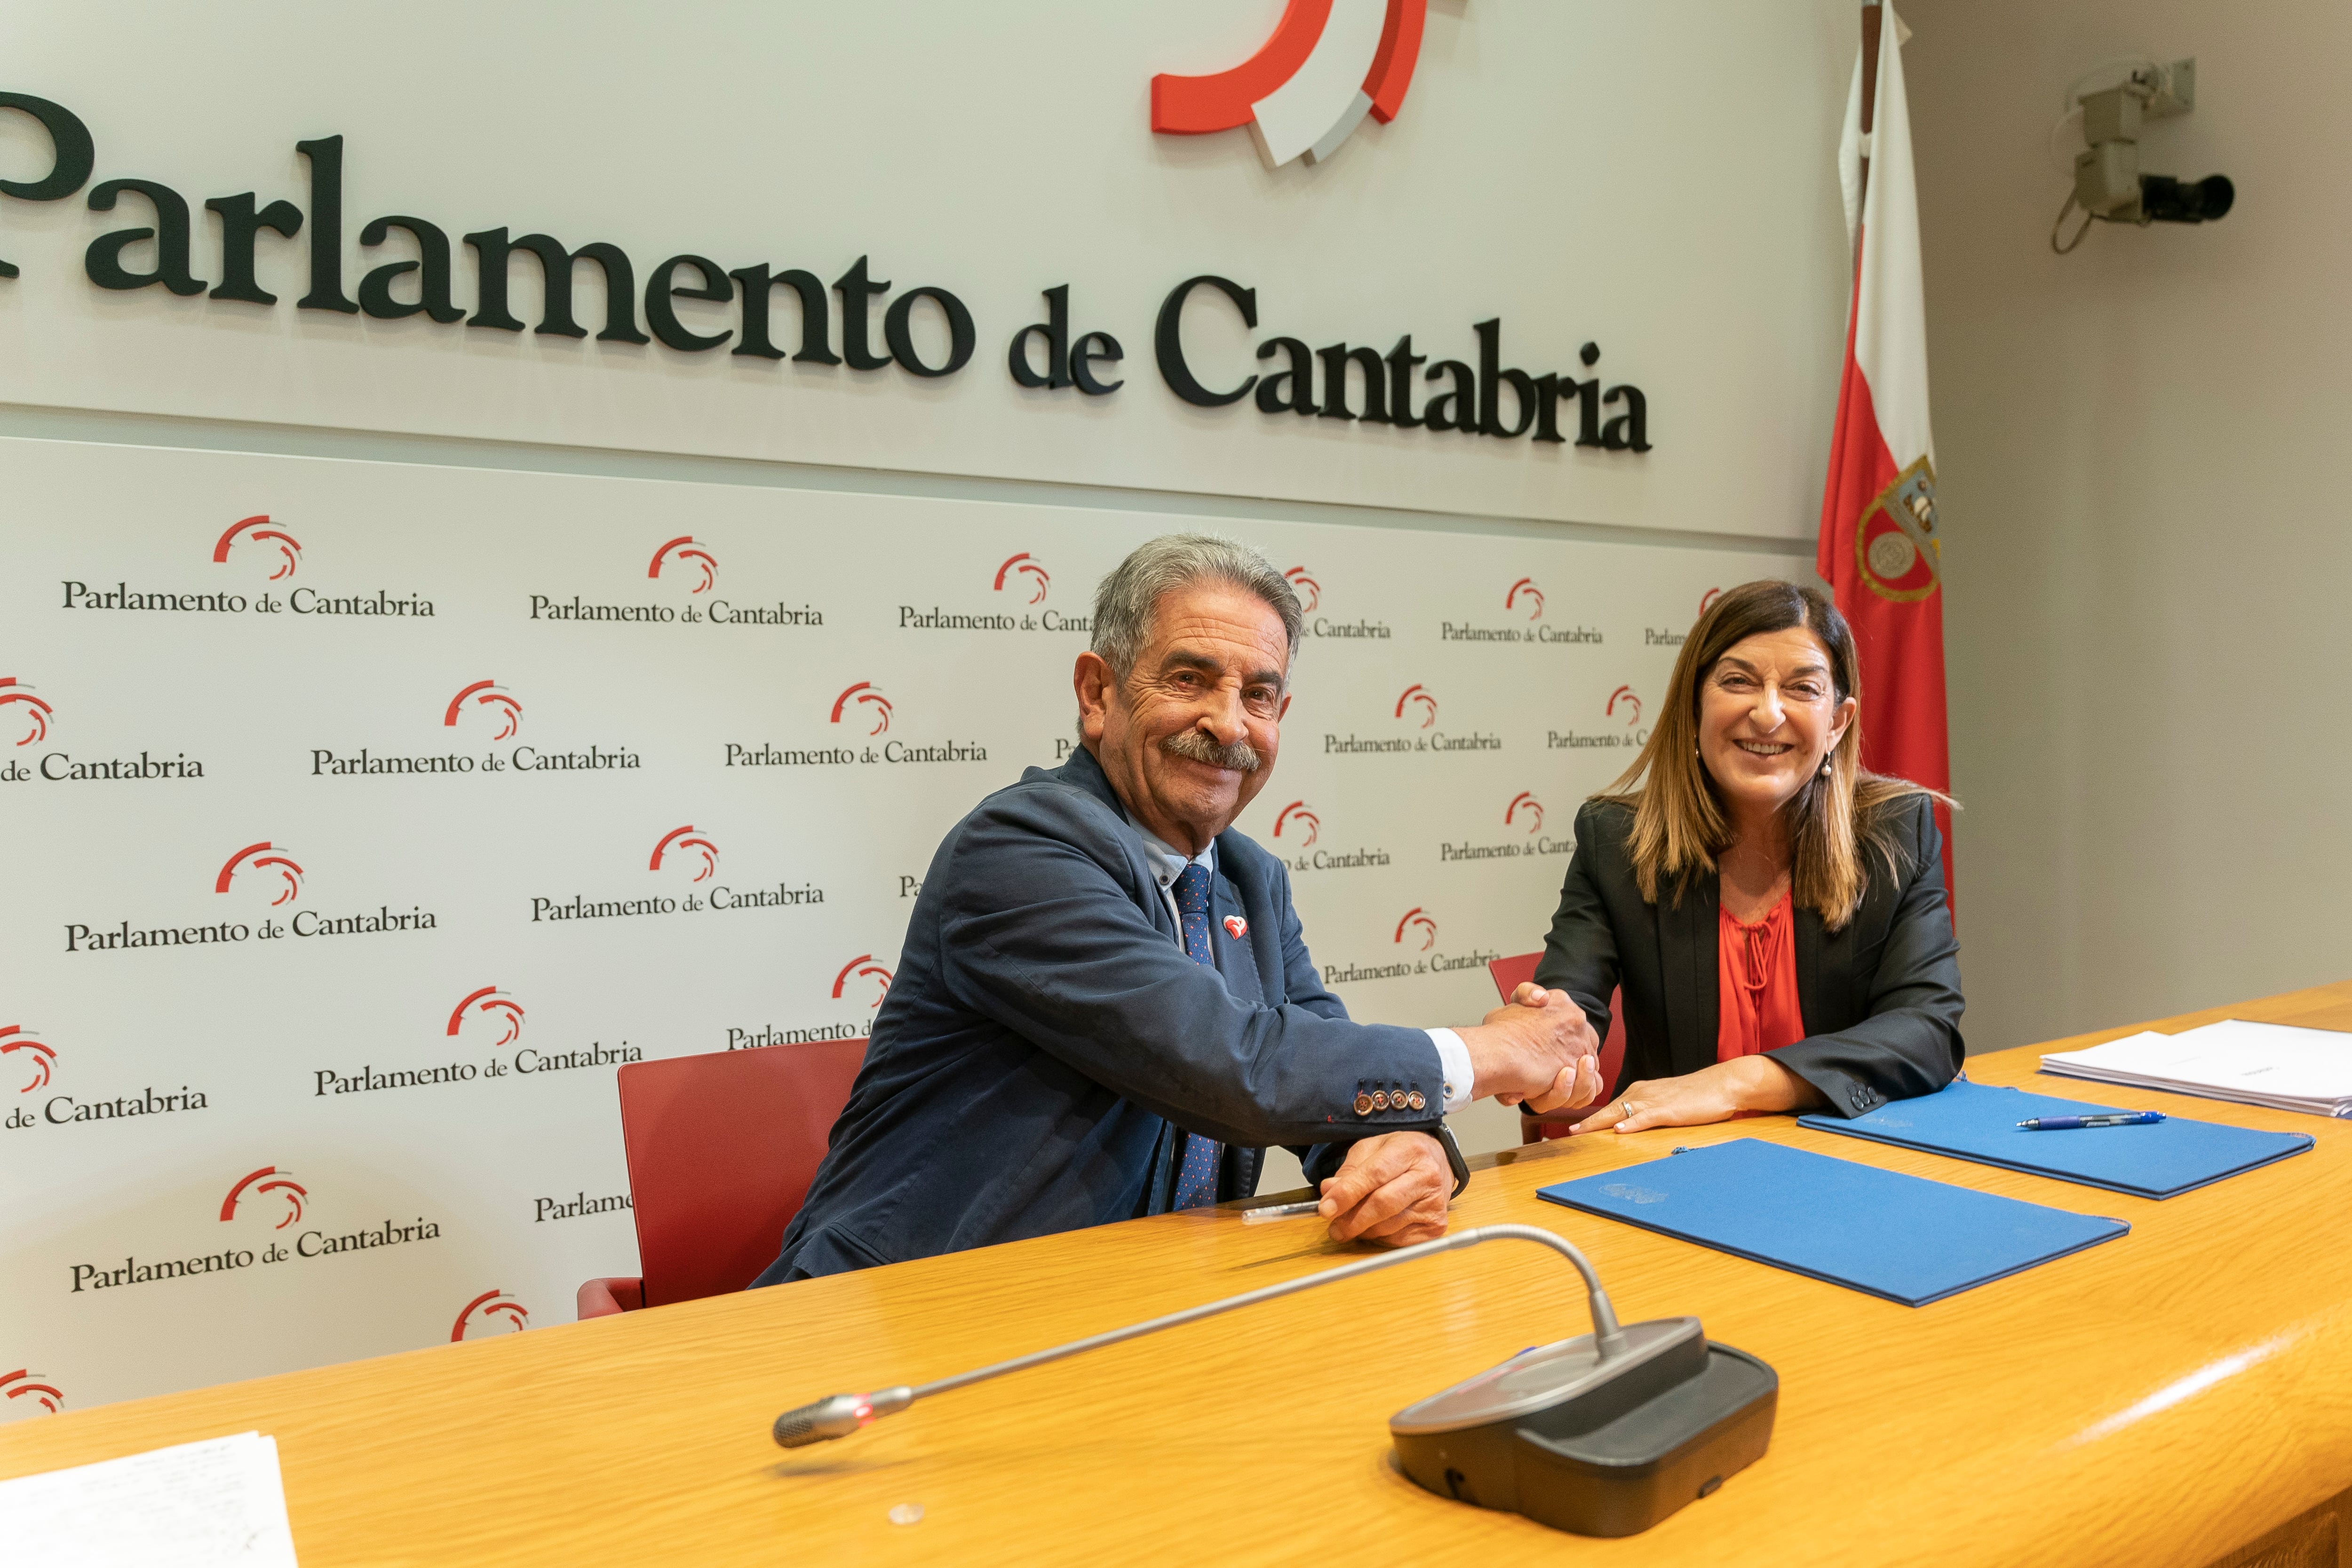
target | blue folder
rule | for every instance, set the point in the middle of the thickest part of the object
(1980, 1122)
(1901, 1237)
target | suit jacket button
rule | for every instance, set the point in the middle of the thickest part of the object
(1380, 1099)
(1363, 1104)
(1416, 1100)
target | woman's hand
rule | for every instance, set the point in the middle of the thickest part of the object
(1710, 1094)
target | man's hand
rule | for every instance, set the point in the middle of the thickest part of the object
(1391, 1190)
(1539, 1048)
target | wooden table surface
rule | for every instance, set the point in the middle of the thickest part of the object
(2161, 1399)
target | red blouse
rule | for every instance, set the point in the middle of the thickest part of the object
(1755, 966)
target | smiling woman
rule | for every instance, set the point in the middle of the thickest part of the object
(1773, 912)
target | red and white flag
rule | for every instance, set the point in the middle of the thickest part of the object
(1879, 548)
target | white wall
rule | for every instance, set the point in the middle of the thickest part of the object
(2146, 561)
(1656, 178)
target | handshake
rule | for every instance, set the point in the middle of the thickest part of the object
(1538, 1051)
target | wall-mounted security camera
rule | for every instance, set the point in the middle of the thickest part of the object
(2108, 184)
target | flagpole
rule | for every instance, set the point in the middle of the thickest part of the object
(1873, 11)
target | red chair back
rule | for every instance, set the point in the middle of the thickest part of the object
(721, 1150)
(1511, 973)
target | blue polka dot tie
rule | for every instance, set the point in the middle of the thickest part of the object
(1196, 1181)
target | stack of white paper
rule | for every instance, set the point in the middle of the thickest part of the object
(215, 1504)
(2268, 1064)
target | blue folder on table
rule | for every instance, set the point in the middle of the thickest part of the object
(1901, 1237)
(1980, 1122)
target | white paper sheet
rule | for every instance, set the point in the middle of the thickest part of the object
(2307, 1069)
(213, 1505)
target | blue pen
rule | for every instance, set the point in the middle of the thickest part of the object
(2068, 1124)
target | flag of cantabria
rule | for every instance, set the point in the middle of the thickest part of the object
(1879, 547)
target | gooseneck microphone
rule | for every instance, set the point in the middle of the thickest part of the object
(1602, 1434)
(842, 1414)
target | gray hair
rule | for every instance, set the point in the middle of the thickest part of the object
(1129, 597)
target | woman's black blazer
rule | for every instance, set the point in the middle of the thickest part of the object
(1881, 999)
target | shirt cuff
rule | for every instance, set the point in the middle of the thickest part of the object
(1453, 1063)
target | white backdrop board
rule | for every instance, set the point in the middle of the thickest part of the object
(320, 953)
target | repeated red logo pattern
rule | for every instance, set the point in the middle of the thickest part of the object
(490, 1307)
(263, 857)
(256, 530)
(690, 556)
(869, 696)
(33, 711)
(1707, 601)
(280, 1200)
(258, 1185)
(18, 1040)
(1026, 567)
(686, 842)
(487, 694)
(1422, 701)
(863, 967)
(25, 1384)
(489, 1003)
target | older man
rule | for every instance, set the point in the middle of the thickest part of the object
(1105, 1006)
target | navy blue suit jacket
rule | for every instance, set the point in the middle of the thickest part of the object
(1045, 1030)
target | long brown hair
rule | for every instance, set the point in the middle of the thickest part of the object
(1679, 826)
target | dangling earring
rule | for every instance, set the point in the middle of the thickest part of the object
(1825, 767)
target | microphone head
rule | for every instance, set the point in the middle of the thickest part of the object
(824, 1421)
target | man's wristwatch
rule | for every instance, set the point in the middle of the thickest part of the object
(1461, 1166)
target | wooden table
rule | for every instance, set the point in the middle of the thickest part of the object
(2183, 1395)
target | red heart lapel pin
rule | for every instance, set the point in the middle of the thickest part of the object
(1237, 926)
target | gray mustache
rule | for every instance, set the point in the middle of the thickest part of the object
(1241, 756)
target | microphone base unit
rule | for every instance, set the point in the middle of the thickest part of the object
(1595, 1446)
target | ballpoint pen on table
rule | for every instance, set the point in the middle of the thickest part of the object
(2112, 1119)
